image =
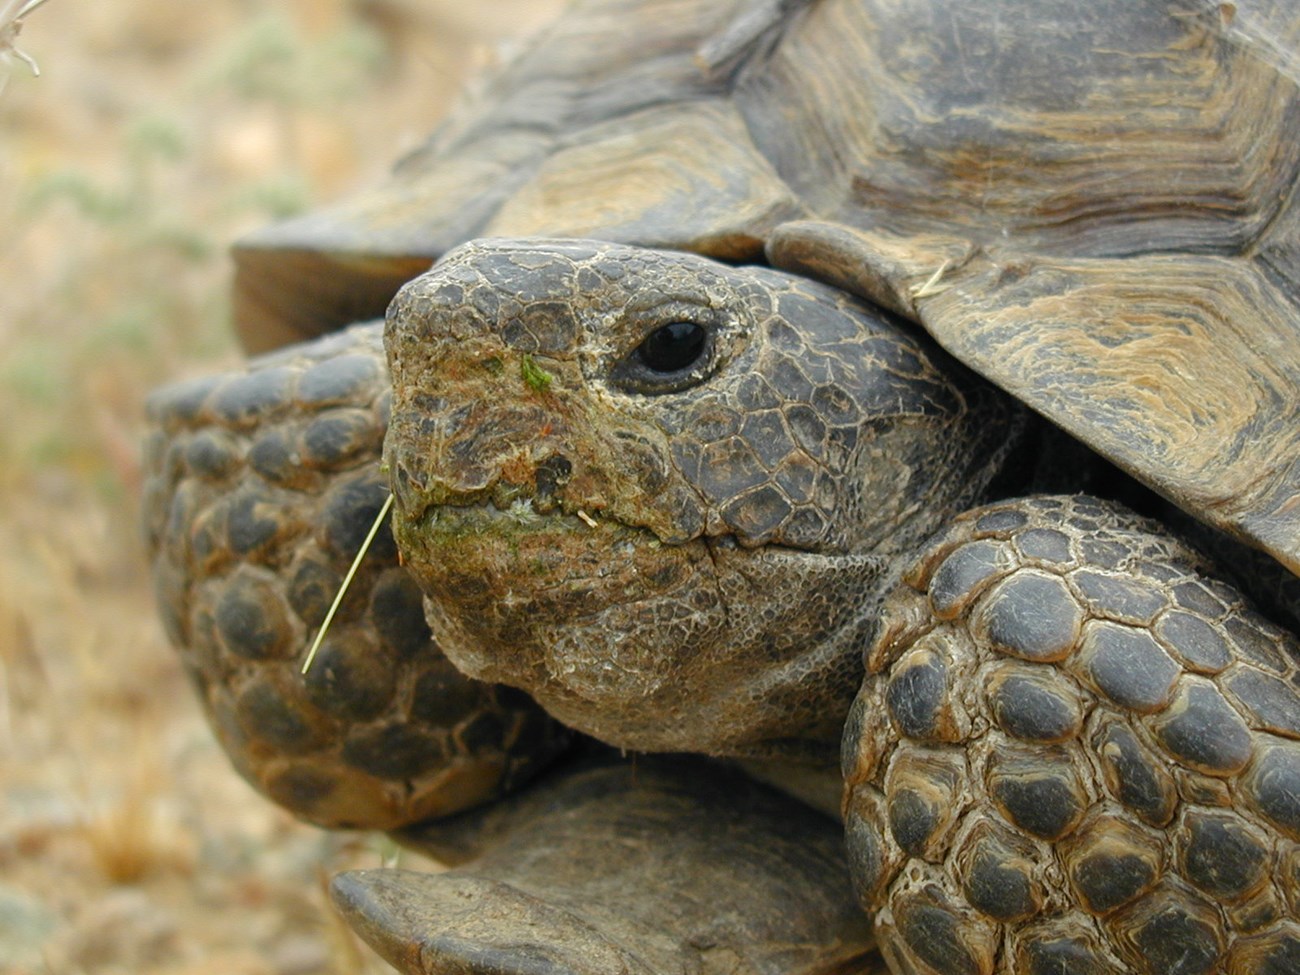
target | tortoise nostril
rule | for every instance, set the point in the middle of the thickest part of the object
(552, 474)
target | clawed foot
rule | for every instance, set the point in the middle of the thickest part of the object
(647, 867)
(1076, 753)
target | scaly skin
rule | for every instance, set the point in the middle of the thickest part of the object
(1076, 753)
(1072, 747)
(679, 561)
(261, 486)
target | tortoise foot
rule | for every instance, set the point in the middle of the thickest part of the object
(649, 867)
(1077, 753)
(434, 923)
(262, 485)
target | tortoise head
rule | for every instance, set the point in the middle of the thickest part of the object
(660, 493)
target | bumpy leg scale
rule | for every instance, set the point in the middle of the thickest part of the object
(1076, 752)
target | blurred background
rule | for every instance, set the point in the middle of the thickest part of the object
(157, 132)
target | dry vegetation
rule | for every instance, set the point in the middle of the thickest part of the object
(157, 132)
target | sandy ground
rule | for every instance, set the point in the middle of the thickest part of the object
(157, 133)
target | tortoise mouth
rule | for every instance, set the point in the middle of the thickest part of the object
(486, 560)
(642, 644)
(566, 606)
(506, 542)
(522, 515)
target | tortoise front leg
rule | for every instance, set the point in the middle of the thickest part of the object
(648, 867)
(262, 484)
(1075, 752)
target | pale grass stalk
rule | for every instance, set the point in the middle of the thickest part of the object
(11, 25)
(931, 286)
(347, 581)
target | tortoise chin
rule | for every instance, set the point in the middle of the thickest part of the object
(647, 646)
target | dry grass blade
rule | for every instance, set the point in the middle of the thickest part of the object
(11, 25)
(347, 581)
(931, 286)
(128, 835)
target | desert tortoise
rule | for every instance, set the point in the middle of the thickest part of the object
(671, 454)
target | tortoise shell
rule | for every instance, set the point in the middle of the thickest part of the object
(1091, 204)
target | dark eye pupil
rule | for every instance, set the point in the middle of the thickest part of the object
(673, 347)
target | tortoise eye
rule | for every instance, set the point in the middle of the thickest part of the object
(673, 347)
(676, 355)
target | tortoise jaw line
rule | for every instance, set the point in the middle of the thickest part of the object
(537, 549)
(500, 580)
(419, 502)
(520, 513)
